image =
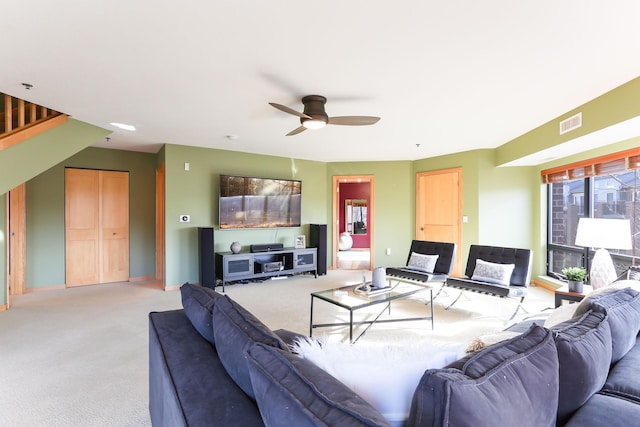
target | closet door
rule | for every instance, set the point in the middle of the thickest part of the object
(97, 226)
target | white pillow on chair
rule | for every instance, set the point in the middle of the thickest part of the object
(491, 272)
(421, 262)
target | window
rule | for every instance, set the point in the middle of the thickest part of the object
(607, 187)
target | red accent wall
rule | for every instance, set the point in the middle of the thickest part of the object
(356, 190)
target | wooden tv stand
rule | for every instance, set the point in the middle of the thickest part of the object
(232, 267)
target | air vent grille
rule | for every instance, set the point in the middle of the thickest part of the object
(573, 122)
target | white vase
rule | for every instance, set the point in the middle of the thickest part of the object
(346, 241)
(236, 247)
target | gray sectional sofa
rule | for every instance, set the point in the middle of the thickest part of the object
(213, 363)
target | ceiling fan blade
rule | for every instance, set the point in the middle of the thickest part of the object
(353, 120)
(297, 131)
(288, 110)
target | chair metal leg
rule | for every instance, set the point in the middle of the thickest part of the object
(455, 300)
(518, 308)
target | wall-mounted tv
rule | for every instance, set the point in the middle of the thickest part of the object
(249, 202)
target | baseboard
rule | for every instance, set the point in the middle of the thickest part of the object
(142, 278)
(45, 288)
(3, 307)
(547, 283)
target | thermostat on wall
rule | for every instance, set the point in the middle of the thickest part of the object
(185, 218)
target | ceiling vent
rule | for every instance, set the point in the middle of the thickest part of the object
(573, 122)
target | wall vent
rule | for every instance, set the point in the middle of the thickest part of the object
(573, 122)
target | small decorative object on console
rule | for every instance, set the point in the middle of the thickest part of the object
(235, 247)
(300, 242)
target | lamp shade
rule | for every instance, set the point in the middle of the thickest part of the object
(604, 233)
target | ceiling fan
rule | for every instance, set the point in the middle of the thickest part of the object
(314, 116)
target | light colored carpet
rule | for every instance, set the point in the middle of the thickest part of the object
(79, 357)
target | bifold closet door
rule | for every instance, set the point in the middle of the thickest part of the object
(96, 226)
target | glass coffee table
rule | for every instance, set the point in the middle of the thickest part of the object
(349, 298)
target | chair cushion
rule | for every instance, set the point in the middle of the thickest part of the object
(235, 331)
(291, 391)
(198, 303)
(512, 382)
(492, 272)
(584, 355)
(420, 262)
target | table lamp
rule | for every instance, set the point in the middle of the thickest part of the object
(603, 234)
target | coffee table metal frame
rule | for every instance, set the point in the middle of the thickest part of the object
(346, 297)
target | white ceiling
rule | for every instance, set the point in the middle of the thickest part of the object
(445, 76)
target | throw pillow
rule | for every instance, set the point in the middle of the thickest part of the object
(198, 303)
(514, 382)
(584, 354)
(560, 314)
(385, 375)
(236, 330)
(291, 391)
(421, 262)
(585, 304)
(491, 272)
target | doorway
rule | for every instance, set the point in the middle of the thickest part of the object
(439, 208)
(353, 210)
(96, 226)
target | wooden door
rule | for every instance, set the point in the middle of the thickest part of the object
(114, 222)
(439, 208)
(97, 226)
(17, 266)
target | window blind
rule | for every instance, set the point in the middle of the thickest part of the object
(604, 165)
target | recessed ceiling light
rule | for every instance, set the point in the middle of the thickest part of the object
(123, 126)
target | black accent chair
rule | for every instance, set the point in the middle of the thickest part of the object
(520, 278)
(446, 255)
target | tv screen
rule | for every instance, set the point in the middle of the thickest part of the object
(248, 202)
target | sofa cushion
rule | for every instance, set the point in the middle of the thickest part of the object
(623, 379)
(188, 386)
(514, 382)
(584, 355)
(492, 272)
(622, 307)
(235, 331)
(291, 391)
(421, 262)
(198, 303)
(602, 410)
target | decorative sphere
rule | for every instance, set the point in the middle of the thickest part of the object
(236, 247)
(346, 241)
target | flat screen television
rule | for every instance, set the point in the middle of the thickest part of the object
(249, 202)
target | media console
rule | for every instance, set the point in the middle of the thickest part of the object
(232, 267)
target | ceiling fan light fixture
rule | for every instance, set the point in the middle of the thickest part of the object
(314, 123)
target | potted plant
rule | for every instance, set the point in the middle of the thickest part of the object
(575, 276)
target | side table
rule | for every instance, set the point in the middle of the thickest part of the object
(563, 294)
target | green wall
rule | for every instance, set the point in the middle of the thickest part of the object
(613, 107)
(195, 193)
(27, 159)
(394, 216)
(45, 214)
(505, 205)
